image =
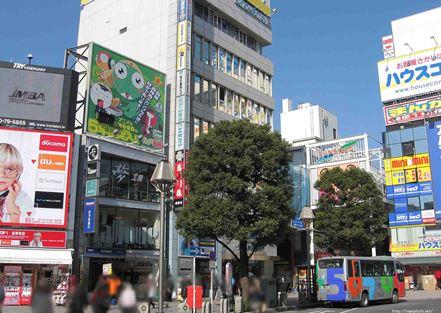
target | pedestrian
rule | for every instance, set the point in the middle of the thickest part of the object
(114, 284)
(127, 299)
(2, 297)
(41, 301)
(78, 300)
(100, 298)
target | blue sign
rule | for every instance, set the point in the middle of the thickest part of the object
(297, 223)
(400, 205)
(89, 215)
(412, 189)
(184, 10)
(392, 219)
(401, 219)
(425, 188)
(415, 218)
(434, 141)
(389, 192)
(399, 191)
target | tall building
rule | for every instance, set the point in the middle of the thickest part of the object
(212, 54)
(410, 88)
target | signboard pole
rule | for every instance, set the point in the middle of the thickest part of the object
(194, 284)
(211, 291)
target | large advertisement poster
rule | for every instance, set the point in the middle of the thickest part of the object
(34, 177)
(126, 99)
(337, 151)
(32, 238)
(409, 75)
(434, 141)
(412, 111)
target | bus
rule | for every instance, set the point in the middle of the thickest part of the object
(359, 279)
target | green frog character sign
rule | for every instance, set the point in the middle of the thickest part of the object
(126, 99)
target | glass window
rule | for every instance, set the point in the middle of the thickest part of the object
(222, 94)
(413, 204)
(196, 128)
(206, 52)
(229, 106)
(197, 88)
(249, 75)
(228, 65)
(408, 148)
(394, 137)
(214, 98)
(269, 117)
(198, 48)
(395, 150)
(206, 92)
(105, 177)
(419, 132)
(221, 59)
(120, 178)
(139, 180)
(330, 263)
(225, 26)
(236, 106)
(267, 84)
(104, 237)
(154, 195)
(426, 202)
(213, 55)
(421, 146)
(243, 107)
(236, 66)
(255, 78)
(148, 228)
(261, 82)
(243, 69)
(406, 134)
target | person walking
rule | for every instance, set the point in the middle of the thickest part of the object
(78, 300)
(100, 298)
(41, 301)
(2, 297)
(127, 300)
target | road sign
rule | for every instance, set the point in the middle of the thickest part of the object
(212, 256)
(212, 265)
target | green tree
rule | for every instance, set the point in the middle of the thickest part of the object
(239, 189)
(351, 213)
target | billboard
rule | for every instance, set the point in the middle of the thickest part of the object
(34, 177)
(412, 111)
(126, 99)
(388, 46)
(37, 97)
(32, 238)
(434, 142)
(196, 247)
(410, 75)
(338, 150)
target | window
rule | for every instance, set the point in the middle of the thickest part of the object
(334, 133)
(269, 117)
(408, 148)
(206, 52)
(330, 263)
(139, 177)
(198, 48)
(206, 92)
(426, 202)
(255, 78)
(236, 67)
(105, 178)
(249, 75)
(213, 55)
(225, 26)
(214, 98)
(243, 70)
(243, 107)
(394, 137)
(197, 88)
(413, 204)
(222, 94)
(357, 269)
(419, 133)
(421, 146)
(236, 106)
(267, 84)
(261, 82)
(221, 59)
(228, 65)
(395, 150)
(229, 106)
(196, 128)
(367, 268)
(406, 134)
(120, 178)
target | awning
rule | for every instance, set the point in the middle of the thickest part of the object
(35, 256)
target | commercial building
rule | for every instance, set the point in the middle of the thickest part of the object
(410, 88)
(37, 153)
(212, 54)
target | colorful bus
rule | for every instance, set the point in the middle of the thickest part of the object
(360, 279)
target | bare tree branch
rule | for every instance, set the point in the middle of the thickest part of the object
(228, 248)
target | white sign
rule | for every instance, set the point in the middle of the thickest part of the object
(182, 109)
(47, 180)
(388, 47)
(93, 153)
(107, 269)
(410, 75)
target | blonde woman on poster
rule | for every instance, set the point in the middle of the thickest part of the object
(14, 202)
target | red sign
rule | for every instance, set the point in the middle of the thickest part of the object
(54, 143)
(412, 111)
(32, 238)
(180, 189)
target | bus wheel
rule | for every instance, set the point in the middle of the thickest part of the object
(364, 302)
(395, 296)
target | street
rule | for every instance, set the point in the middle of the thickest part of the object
(415, 302)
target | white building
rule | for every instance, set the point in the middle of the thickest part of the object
(309, 123)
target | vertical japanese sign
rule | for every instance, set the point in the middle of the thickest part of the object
(182, 118)
(89, 215)
(434, 141)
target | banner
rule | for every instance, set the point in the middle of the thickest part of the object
(336, 151)
(34, 185)
(412, 111)
(126, 99)
(409, 75)
(196, 247)
(32, 238)
(434, 142)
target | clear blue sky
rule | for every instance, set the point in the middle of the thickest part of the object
(325, 52)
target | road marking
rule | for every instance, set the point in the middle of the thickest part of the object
(349, 310)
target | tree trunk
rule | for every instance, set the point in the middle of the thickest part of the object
(243, 269)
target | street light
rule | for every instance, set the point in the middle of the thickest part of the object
(307, 216)
(162, 178)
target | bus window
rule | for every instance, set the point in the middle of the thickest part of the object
(330, 263)
(389, 268)
(357, 268)
(353, 268)
(399, 271)
(350, 271)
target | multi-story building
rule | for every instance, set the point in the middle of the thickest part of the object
(212, 54)
(410, 90)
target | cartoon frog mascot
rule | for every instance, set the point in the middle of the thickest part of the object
(129, 83)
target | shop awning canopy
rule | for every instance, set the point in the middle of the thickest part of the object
(35, 256)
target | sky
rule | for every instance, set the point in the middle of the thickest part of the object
(324, 52)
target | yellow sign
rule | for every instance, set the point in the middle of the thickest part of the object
(407, 169)
(184, 33)
(182, 59)
(84, 2)
(398, 178)
(428, 245)
(407, 162)
(411, 175)
(262, 6)
(424, 174)
(388, 179)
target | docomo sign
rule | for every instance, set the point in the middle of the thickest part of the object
(410, 75)
(412, 111)
(32, 238)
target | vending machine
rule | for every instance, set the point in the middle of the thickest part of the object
(12, 285)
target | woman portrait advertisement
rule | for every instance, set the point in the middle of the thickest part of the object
(14, 202)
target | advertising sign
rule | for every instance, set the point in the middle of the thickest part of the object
(91, 188)
(256, 8)
(434, 142)
(107, 269)
(34, 96)
(32, 238)
(126, 99)
(337, 151)
(196, 247)
(410, 75)
(179, 190)
(93, 153)
(89, 215)
(388, 47)
(36, 175)
(412, 111)
(426, 217)
(93, 170)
